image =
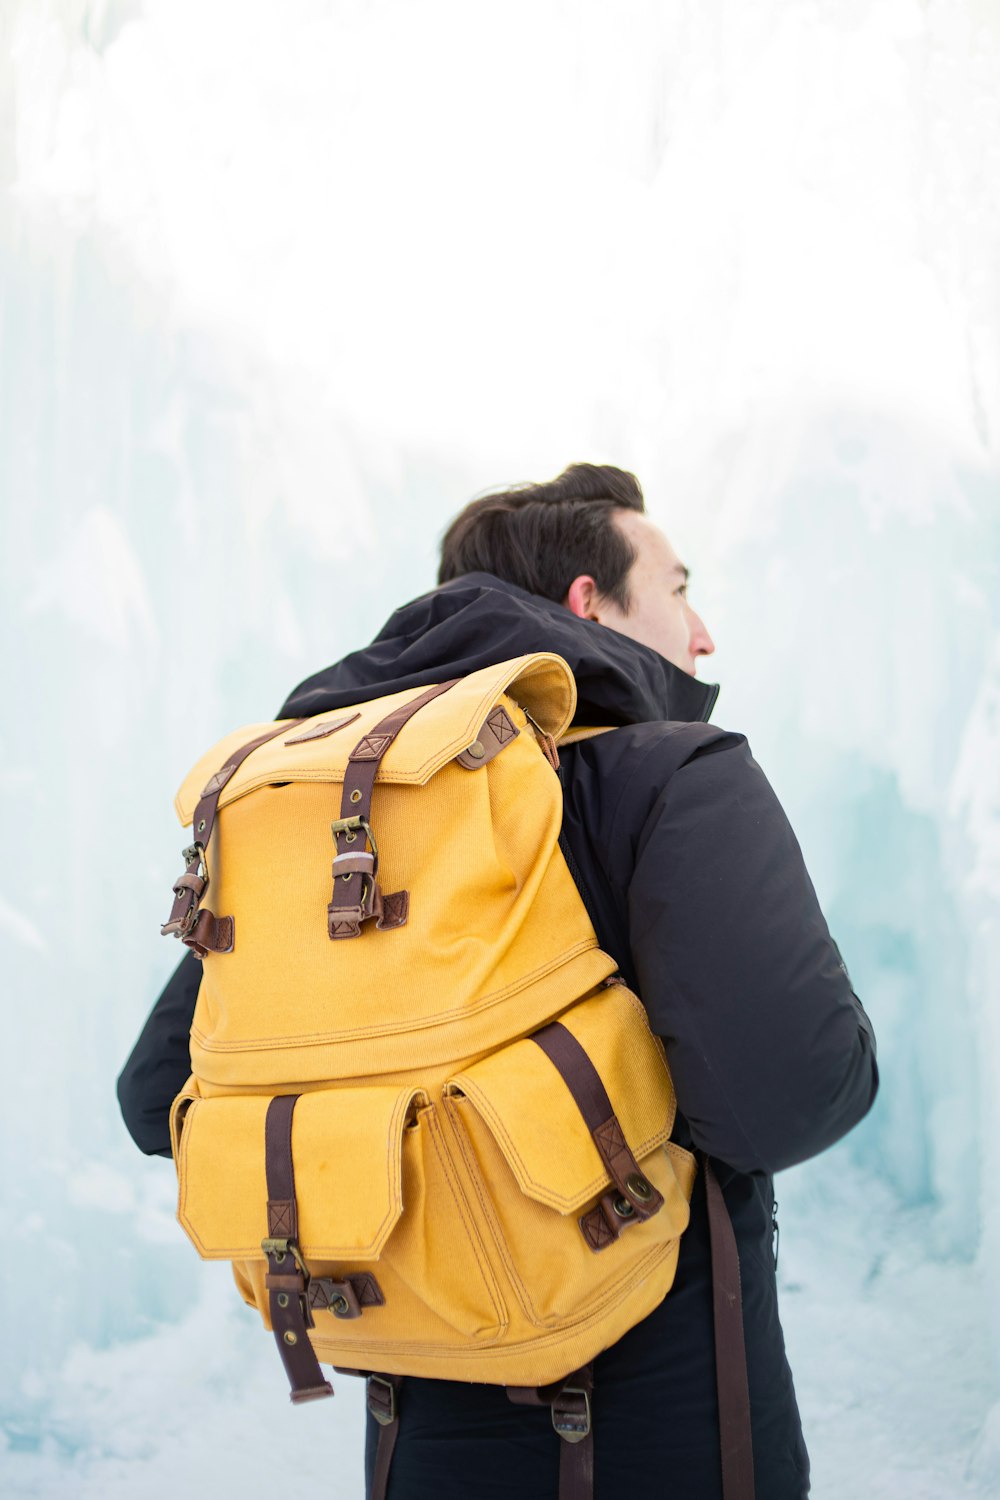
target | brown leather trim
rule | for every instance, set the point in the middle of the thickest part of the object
(730, 1351)
(211, 934)
(320, 731)
(395, 910)
(356, 900)
(496, 731)
(383, 1403)
(347, 1298)
(635, 1198)
(216, 936)
(287, 1279)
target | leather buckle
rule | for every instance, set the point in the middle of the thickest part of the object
(190, 886)
(280, 1248)
(356, 824)
(572, 1421)
(381, 1400)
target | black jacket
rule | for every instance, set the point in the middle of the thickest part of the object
(696, 886)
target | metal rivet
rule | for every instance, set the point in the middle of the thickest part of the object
(282, 1299)
(355, 796)
(477, 750)
(201, 826)
(291, 1338)
(639, 1187)
(339, 1305)
(623, 1208)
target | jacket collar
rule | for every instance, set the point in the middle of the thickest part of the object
(478, 620)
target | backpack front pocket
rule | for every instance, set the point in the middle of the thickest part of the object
(359, 1156)
(576, 1214)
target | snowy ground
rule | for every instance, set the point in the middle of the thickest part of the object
(890, 1352)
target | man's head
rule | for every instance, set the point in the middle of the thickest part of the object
(585, 540)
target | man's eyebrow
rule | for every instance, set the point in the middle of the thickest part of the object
(680, 568)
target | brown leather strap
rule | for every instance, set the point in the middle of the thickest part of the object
(634, 1197)
(287, 1279)
(357, 895)
(570, 1401)
(383, 1403)
(571, 1418)
(200, 930)
(730, 1353)
(347, 1298)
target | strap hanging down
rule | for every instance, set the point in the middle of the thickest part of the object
(730, 1352)
(351, 904)
(287, 1279)
(383, 1404)
(200, 930)
(634, 1197)
(571, 1417)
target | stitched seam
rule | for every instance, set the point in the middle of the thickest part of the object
(547, 1195)
(434, 762)
(364, 1033)
(489, 1210)
(485, 1271)
(489, 1350)
(370, 1251)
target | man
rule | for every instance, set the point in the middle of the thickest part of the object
(696, 886)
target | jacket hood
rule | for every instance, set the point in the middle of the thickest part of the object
(478, 620)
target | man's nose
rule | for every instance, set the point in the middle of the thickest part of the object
(700, 643)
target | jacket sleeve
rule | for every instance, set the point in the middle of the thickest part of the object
(771, 1053)
(160, 1063)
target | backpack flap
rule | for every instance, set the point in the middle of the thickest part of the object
(535, 1120)
(347, 1146)
(318, 749)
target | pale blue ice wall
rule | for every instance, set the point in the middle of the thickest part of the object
(275, 303)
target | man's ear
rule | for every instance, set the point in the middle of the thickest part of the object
(581, 597)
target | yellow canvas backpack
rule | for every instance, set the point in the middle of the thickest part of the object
(427, 1122)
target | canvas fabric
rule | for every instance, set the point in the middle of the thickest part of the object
(439, 1154)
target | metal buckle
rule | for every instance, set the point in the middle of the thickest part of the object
(281, 1248)
(194, 863)
(357, 822)
(384, 1414)
(573, 1426)
(182, 926)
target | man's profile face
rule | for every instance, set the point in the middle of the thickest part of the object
(660, 616)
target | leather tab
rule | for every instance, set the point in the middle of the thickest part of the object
(211, 934)
(281, 1219)
(320, 731)
(599, 1227)
(347, 1298)
(395, 910)
(496, 731)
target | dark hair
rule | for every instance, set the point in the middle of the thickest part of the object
(542, 536)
